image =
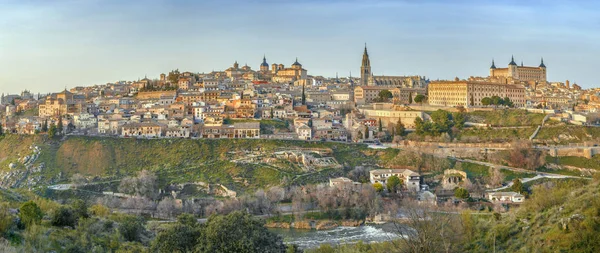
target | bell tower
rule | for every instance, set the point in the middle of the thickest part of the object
(365, 68)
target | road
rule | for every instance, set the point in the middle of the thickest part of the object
(543, 174)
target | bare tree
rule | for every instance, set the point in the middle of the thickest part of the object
(427, 230)
(496, 177)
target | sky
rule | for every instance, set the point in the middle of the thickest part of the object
(47, 45)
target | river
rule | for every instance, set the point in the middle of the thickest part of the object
(307, 239)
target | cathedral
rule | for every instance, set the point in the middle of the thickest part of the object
(368, 79)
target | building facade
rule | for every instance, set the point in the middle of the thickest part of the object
(469, 93)
(368, 79)
(520, 73)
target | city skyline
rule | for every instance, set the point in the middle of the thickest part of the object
(48, 46)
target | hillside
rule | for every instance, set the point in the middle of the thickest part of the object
(561, 216)
(235, 163)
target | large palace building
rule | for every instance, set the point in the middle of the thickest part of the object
(520, 73)
(469, 93)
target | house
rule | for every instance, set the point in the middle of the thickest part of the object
(145, 130)
(409, 179)
(342, 182)
(506, 197)
(304, 132)
(246, 130)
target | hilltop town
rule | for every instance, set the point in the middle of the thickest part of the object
(302, 151)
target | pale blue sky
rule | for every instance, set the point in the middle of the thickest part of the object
(46, 45)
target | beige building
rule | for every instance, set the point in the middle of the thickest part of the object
(367, 94)
(469, 93)
(520, 73)
(288, 75)
(59, 104)
(389, 113)
(409, 179)
(144, 130)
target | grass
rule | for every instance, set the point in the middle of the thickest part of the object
(475, 170)
(576, 161)
(564, 134)
(506, 117)
(494, 135)
(509, 175)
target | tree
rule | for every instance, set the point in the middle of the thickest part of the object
(237, 232)
(496, 101)
(393, 183)
(420, 98)
(400, 129)
(52, 131)
(506, 101)
(227, 121)
(380, 129)
(366, 132)
(472, 100)
(459, 119)
(131, 228)
(45, 126)
(180, 237)
(80, 209)
(64, 217)
(1, 130)
(30, 213)
(517, 186)
(410, 98)
(486, 101)
(385, 95)
(461, 193)
(378, 187)
(442, 122)
(59, 126)
(303, 96)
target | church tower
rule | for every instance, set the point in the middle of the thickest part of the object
(365, 68)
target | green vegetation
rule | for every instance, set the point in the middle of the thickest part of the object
(509, 175)
(496, 101)
(474, 170)
(461, 193)
(378, 187)
(564, 134)
(506, 117)
(393, 184)
(576, 161)
(420, 98)
(493, 135)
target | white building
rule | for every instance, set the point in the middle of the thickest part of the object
(506, 197)
(409, 179)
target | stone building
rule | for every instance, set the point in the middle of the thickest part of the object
(469, 93)
(281, 74)
(520, 73)
(389, 113)
(368, 79)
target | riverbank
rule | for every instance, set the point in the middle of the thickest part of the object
(313, 224)
(310, 239)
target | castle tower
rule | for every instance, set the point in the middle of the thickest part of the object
(236, 65)
(512, 68)
(492, 68)
(543, 67)
(365, 68)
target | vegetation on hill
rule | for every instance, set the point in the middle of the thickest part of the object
(576, 161)
(506, 117)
